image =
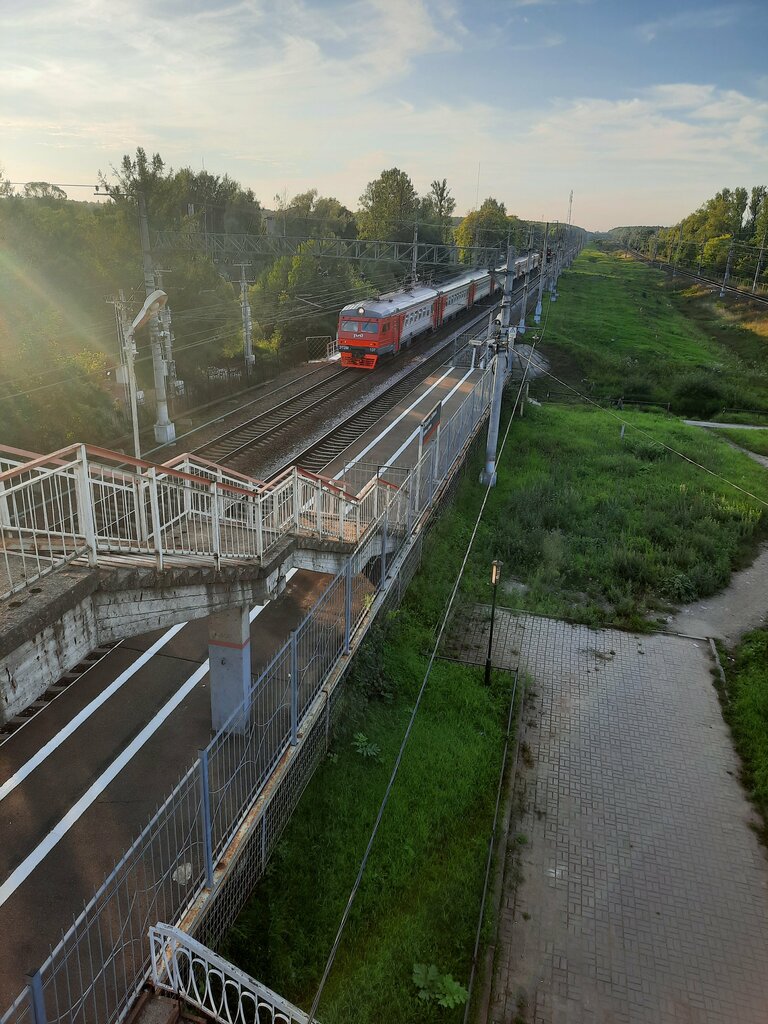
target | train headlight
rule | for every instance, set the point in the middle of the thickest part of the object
(361, 310)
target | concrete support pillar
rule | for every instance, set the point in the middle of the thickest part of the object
(229, 653)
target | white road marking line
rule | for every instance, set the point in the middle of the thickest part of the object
(82, 716)
(41, 851)
(20, 874)
(393, 458)
(394, 423)
(53, 744)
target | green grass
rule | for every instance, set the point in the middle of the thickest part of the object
(746, 672)
(420, 895)
(622, 328)
(752, 440)
(605, 530)
(599, 528)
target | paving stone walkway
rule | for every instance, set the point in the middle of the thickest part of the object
(644, 892)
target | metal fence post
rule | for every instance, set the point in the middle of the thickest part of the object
(37, 998)
(215, 525)
(294, 678)
(205, 800)
(348, 606)
(85, 505)
(263, 838)
(296, 499)
(154, 507)
(384, 546)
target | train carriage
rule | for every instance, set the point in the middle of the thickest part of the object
(378, 328)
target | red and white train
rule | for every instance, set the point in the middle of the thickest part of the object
(375, 328)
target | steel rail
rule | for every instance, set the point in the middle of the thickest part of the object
(323, 451)
(233, 412)
(331, 445)
(249, 434)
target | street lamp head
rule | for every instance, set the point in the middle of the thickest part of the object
(152, 306)
(496, 565)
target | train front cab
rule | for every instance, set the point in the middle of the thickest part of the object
(363, 340)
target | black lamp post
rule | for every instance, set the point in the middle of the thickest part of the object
(495, 577)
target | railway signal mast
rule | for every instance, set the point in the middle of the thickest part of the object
(505, 337)
(165, 432)
(543, 275)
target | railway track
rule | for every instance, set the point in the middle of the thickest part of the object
(264, 428)
(319, 454)
(263, 396)
(261, 434)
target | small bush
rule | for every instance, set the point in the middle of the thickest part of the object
(699, 394)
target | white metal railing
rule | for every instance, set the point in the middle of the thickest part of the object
(192, 972)
(85, 503)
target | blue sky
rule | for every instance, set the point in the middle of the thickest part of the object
(643, 109)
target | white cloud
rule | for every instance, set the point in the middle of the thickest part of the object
(295, 93)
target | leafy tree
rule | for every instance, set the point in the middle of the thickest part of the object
(316, 216)
(302, 295)
(756, 203)
(389, 207)
(488, 226)
(43, 190)
(434, 213)
(6, 188)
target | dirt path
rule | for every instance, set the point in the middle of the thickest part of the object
(742, 606)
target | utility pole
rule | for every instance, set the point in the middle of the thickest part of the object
(128, 349)
(506, 299)
(526, 282)
(759, 262)
(555, 264)
(500, 364)
(505, 337)
(568, 230)
(165, 431)
(727, 273)
(167, 339)
(414, 276)
(247, 325)
(677, 251)
(543, 271)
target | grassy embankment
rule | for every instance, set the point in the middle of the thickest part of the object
(599, 528)
(625, 329)
(753, 440)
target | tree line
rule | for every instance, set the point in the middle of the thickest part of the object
(63, 259)
(734, 221)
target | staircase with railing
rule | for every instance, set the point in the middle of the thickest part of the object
(97, 507)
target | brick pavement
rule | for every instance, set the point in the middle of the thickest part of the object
(644, 892)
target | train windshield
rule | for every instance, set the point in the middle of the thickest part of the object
(355, 327)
